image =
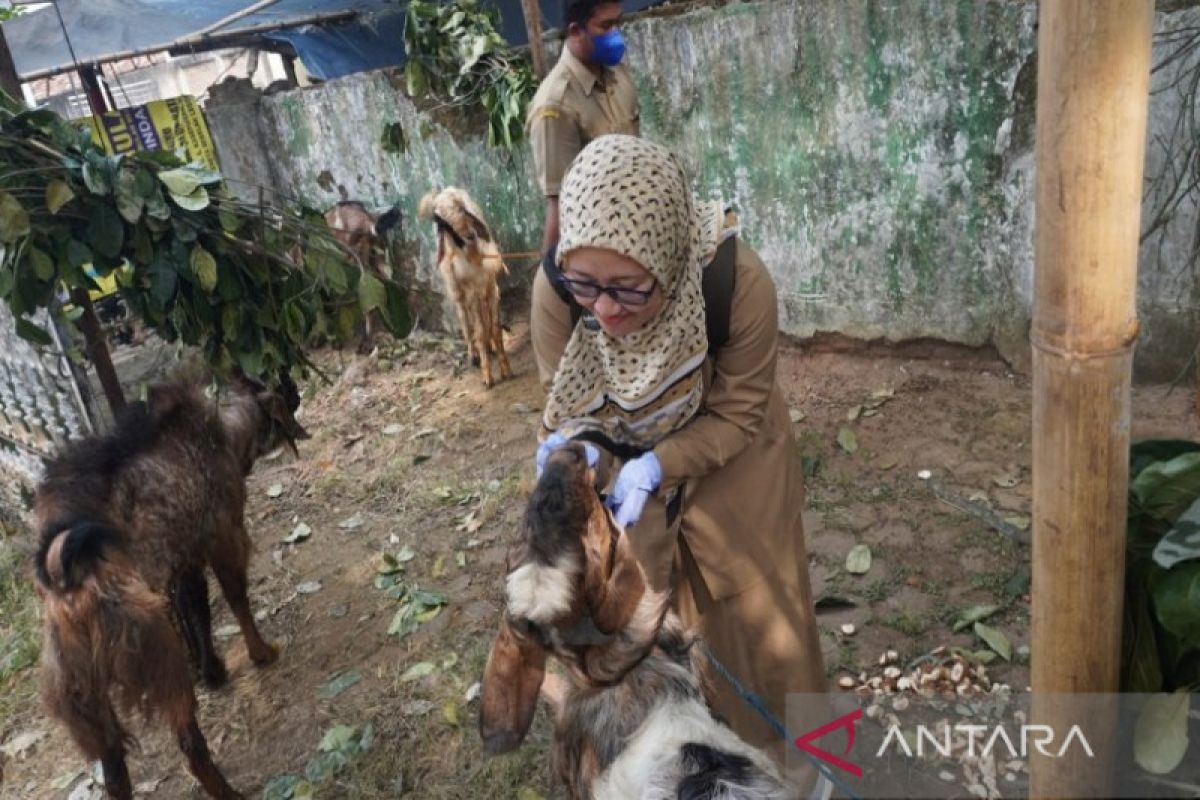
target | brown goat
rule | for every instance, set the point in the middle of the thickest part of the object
(365, 235)
(470, 263)
(128, 523)
(632, 721)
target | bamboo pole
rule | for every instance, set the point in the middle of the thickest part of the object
(1092, 104)
(533, 27)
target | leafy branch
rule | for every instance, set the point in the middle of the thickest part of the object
(456, 53)
(251, 285)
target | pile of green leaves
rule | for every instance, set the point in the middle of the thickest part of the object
(1162, 571)
(251, 285)
(455, 53)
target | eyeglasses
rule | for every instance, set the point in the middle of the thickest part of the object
(586, 290)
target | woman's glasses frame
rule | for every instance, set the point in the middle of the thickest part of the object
(622, 295)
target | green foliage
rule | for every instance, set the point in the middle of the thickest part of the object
(455, 53)
(1161, 648)
(250, 285)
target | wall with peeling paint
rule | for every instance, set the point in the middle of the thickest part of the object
(879, 151)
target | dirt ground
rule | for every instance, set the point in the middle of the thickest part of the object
(412, 459)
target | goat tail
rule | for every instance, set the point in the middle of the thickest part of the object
(425, 207)
(109, 638)
(69, 556)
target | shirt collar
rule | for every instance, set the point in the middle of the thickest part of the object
(586, 78)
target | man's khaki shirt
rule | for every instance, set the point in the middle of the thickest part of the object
(571, 108)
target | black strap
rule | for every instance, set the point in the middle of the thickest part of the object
(718, 284)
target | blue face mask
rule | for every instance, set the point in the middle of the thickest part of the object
(608, 49)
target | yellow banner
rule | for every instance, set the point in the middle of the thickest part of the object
(158, 125)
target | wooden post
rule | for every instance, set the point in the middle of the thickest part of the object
(97, 349)
(1092, 104)
(92, 90)
(9, 82)
(533, 26)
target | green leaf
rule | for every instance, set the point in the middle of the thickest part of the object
(338, 684)
(32, 332)
(1177, 601)
(1165, 489)
(1160, 739)
(14, 219)
(975, 614)
(1182, 542)
(325, 765)
(995, 640)
(418, 671)
(106, 232)
(858, 560)
(194, 201)
(847, 440)
(129, 202)
(204, 266)
(371, 292)
(1144, 453)
(43, 265)
(282, 787)
(78, 253)
(96, 178)
(336, 738)
(182, 181)
(418, 82)
(58, 194)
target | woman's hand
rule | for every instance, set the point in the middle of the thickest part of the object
(636, 481)
(557, 440)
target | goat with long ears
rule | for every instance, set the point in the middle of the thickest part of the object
(633, 721)
(128, 524)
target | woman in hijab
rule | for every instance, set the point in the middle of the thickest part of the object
(710, 490)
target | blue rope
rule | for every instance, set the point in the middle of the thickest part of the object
(757, 703)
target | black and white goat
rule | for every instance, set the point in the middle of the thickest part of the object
(632, 721)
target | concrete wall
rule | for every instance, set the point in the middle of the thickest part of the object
(880, 153)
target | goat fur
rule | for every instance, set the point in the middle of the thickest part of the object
(470, 263)
(633, 721)
(128, 523)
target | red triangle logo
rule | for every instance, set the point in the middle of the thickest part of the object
(846, 721)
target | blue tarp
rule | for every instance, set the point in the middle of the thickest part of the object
(101, 28)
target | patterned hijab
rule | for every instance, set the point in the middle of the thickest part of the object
(631, 196)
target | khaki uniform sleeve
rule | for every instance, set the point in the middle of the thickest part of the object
(550, 328)
(554, 138)
(743, 378)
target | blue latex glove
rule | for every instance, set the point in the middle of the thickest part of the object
(557, 440)
(636, 481)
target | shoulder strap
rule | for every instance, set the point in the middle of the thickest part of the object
(718, 283)
(553, 273)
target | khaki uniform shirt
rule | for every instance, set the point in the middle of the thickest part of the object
(571, 108)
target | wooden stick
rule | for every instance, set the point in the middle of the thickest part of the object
(1092, 101)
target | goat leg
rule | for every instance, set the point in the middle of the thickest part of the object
(116, 774)
(230, 563)
(194, 746)
(195, 616)
(497, 335)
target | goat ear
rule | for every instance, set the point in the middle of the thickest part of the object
(612, 599)
(276, 407)
(516, 667)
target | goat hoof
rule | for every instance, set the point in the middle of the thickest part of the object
(215, 675)
(265, 657)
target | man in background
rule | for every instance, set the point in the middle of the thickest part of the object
(588, 94)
